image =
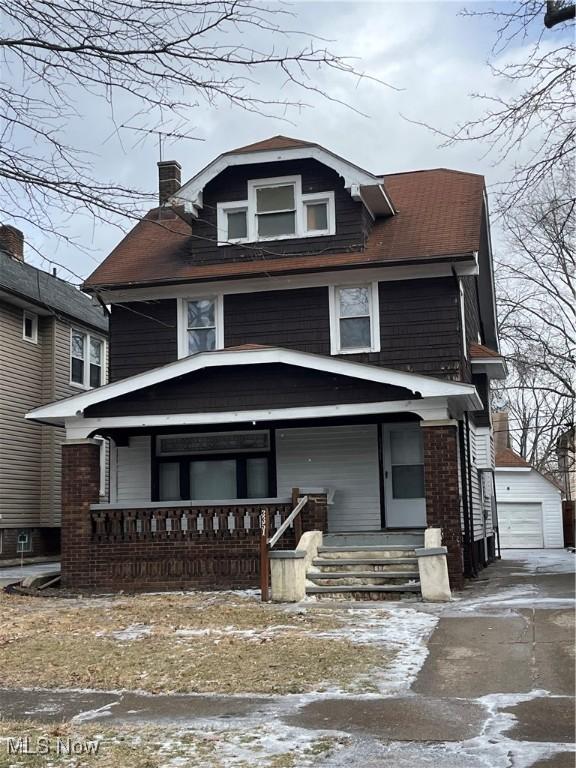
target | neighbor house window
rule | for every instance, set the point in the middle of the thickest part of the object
(354, 319)
(276, 209)
(200, 325)
(214, 466)
(86, 360)
(30, 327)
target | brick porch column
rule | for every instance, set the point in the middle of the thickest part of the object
(443, 493)
(80, 489)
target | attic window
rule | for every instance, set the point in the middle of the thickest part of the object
(276, 209)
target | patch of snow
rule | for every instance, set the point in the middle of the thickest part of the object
(94, 714)
(133, 632)
(542, 560)
(404, 631)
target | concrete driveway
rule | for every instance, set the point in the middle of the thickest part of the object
(16, 573)
(495, 690)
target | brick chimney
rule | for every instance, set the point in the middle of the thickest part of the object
(12, 241)
(169, 179)
(501, 431)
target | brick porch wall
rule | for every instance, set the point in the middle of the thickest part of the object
(153, 561)
(443, 494)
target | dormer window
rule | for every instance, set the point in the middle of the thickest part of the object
(276, 209)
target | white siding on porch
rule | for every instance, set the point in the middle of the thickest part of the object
(133, 470)
(344, 458)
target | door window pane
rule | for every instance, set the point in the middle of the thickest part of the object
(275, 198)
(317, 217)
(237, 228)
(273, 224)
(406, 446)
(408, 481)
(213, 480)
(169, 481)
(355, 333)
(257, 478)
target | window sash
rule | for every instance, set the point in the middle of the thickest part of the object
(182, 478)
(340, 317)
(87, 364)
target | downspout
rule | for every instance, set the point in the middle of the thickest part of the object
(495, 523)
(473, 559)
(465, 506)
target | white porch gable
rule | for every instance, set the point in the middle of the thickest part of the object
(433, 399)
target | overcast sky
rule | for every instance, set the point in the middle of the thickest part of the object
(432, 55)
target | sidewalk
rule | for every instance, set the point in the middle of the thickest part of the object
(496, 688)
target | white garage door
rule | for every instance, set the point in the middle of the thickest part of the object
(520, 525)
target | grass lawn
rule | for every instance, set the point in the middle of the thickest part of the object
(179, 642)
(151, 747)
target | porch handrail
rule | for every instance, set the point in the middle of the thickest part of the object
(266, 544)
(289, 520)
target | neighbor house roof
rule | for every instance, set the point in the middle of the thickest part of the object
(509, 458)
(438, 216)
(479, 351)
(48, 292)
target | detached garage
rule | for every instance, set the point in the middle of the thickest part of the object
(529, 505)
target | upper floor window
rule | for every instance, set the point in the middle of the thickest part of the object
(354, 319)
(276, 209)
(86, 360)
(200, 325)
(30, 327)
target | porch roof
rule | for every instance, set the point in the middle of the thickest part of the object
(423, 391)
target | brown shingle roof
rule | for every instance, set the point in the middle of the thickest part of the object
(276, 142)
(479, 351)
(439, 215)
(509, 458)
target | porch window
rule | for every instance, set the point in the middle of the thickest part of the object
(200, 325)
(86, 359)
(219, 465)
(354, 319)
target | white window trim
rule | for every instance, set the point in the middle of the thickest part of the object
(183, 322)
(103, 368)
(249, 205)
(34, 318)
(463, 318)
(335, 319)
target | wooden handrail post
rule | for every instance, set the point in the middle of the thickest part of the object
(264, 560)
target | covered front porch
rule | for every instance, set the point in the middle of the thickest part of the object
(373, 450)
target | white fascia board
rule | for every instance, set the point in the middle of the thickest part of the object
(513, 469)
(493, 367)
(427, 408)
(231, 286)
(426, 386)
(190, 194)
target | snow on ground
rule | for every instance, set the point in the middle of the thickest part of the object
(542, 560)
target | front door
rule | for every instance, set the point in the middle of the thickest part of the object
(403, 457)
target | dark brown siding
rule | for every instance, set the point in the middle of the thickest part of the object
(482, 384)
(241, 388)
(143, 335)
(418, 324)
(230, 185)
(472, 319)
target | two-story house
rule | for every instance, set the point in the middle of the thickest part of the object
(52, 345)
(287, 320)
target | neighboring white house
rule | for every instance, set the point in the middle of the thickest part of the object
(529, 504)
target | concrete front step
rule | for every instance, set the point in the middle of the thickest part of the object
(371, 553)
(411, 537)
(373, 576)
(378, 565)
(351, 580)
(365, 592)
